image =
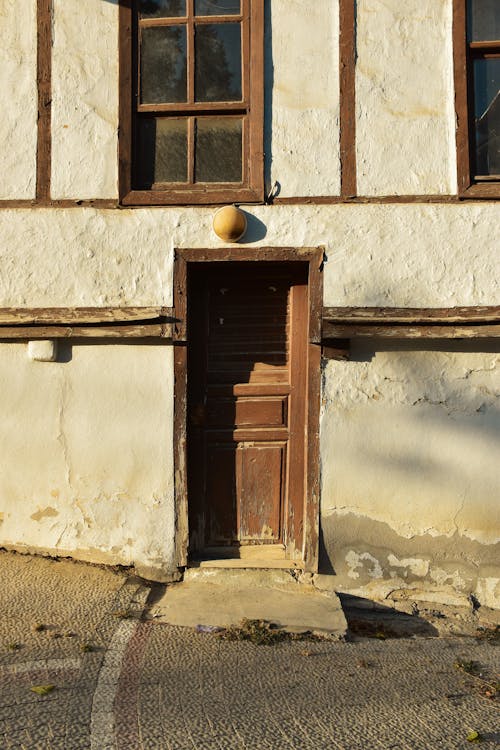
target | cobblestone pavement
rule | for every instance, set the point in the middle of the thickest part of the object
(124, 683)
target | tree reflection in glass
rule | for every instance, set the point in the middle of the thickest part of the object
(218, 62)
(162, 8)
(217, 7)
(487, 116)
(163, 64)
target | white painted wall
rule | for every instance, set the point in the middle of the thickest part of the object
(410, 446)
(420, 255)
(18, 122)
(87, 457)
(405, 126)
(303, 77)
(85, 99)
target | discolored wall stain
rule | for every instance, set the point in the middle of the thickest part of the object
(44, 513)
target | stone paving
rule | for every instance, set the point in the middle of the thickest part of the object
(123, 682)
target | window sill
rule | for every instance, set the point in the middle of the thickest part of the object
(192, 198)
(486, 190)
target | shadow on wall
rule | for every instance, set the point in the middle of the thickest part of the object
(432, 430)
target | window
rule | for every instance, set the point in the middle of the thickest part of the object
(477, 83)
(191, 101)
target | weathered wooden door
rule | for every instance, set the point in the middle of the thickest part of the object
(247, 351)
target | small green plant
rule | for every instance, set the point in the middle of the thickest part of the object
(86, 647)
(13, 646)
(470, 667)
(42, 689)
(263, 633)
(259, 632)
(474, 737)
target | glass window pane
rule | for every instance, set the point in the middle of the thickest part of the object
(217, 7)
(483, 20)
(487, 115)
(218, 150)
(163, 64)
(162, 8)
(218, 62)
(161, 151)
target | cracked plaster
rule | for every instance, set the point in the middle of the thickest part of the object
(87, 468)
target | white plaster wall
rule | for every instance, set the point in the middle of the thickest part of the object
(410, 442)
(86, 452)
(420, 255)
(409, 439)
(85, 99)
(304, 79)
(18, 122)
(302, 147)
(405, 129)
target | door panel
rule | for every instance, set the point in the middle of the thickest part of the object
(246, 448)
(262, 484)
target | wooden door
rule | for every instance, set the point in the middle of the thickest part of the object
(247, 351)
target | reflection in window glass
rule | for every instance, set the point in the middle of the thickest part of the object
(161, 151)
(218, 62)
(163, 64)
(162, 8)
(218, 150)
(487, 115)
(216, 7)
(483, 20)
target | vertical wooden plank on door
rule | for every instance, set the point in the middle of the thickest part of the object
(298, 381)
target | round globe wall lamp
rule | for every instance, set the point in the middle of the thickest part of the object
(230, 223)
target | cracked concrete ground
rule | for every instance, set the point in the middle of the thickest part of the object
(124, 681)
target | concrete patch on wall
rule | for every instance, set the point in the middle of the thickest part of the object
(18, 123)
(304, 105)
(361, 552)
(409, 441)
(85, 99)
(405, 128)
(87, 456)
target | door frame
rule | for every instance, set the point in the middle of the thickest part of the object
(314, 257)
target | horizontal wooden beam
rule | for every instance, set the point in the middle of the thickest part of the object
(79, 315)
(140, 331)
(410, 315)
(401, 331)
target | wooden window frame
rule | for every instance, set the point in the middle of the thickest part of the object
(251, 189)
(463, 52)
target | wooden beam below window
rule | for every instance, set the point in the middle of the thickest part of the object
(411, 315)
(148, 330)
(417, 331)
(13, 316)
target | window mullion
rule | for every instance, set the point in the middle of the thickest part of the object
(191, 155)
(190, 56)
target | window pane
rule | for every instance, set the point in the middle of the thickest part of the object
(218, 62)
(216, 7)
(163, 64)
(483, 20)
(218, 150)
(161, 151)
(487, 115)
(162, 8)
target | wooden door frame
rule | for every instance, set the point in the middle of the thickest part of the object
(314, 258)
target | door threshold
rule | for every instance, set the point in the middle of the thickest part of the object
(265, 563)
